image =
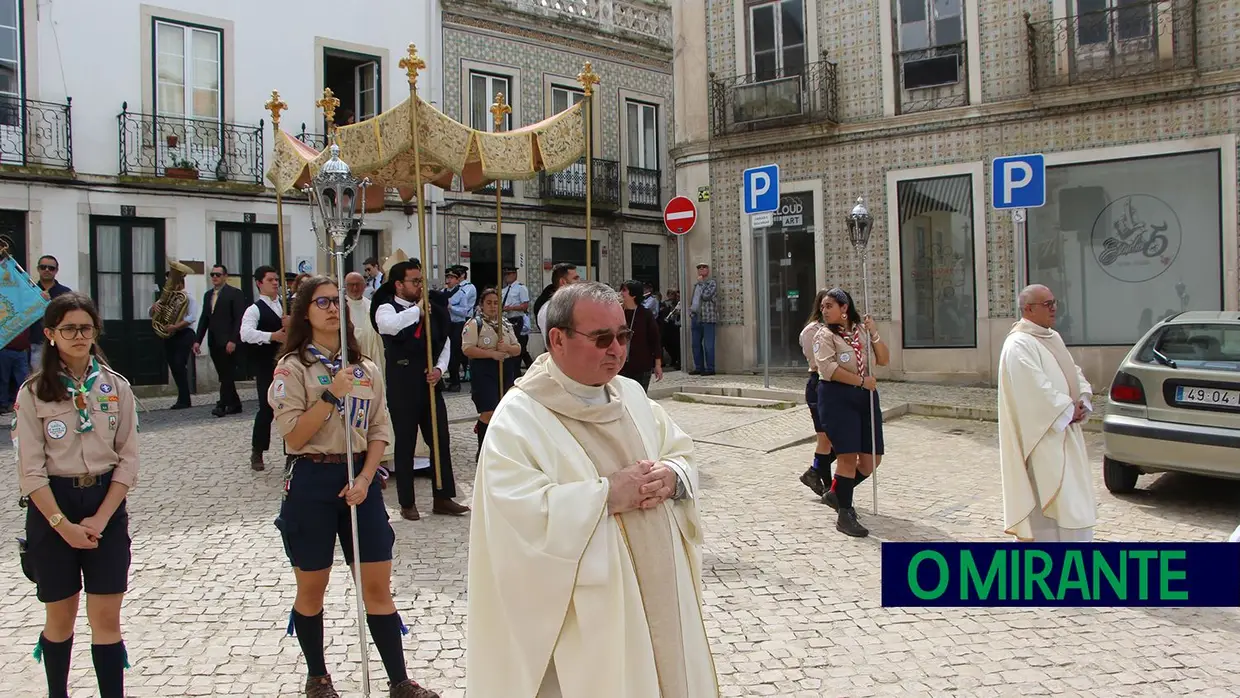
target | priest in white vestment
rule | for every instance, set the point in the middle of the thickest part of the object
(1048, 486)
(368, 339)
(584, 550)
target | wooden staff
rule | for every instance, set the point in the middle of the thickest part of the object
(498, 111)
(588, 79)
(275, 105)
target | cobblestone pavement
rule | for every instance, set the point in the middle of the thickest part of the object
(792, 606)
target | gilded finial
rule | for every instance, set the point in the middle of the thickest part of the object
(329, 104)
(588, 79)
(412, 63)
(275, 105)
(499, 110)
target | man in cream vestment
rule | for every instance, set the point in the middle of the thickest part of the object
(368, 339)
(584, 562)
(1048, 488)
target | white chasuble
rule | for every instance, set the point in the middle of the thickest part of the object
(1042, 457)
(565, 599)
(371, 344)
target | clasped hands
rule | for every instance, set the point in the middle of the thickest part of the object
(1079, 412)
(644, 485)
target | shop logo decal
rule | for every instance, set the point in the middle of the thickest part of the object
(1136, 238)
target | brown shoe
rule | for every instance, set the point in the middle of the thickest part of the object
(256, 460)
(448, 507)
(320, 687)
(410, 513)
(410, 689)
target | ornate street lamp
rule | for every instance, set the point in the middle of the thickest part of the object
(860, 224)
(340, 200)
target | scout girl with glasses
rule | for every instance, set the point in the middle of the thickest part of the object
(77, 458)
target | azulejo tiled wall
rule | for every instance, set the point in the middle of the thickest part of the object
(860, 169)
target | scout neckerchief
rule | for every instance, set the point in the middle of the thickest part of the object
(333, 367)
(358, 407)
(854, 338)
(79, 393)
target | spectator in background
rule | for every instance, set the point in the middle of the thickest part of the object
(669, 328)
(703, 316)
(645, 348)
(562, 274)
(649, 301)
(14, 366)
(48, 266)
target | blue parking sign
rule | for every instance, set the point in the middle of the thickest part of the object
(1018, 181)
(761, 189)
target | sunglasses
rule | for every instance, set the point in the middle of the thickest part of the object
(1049, 305)
(216, 274)
(46, 267)
(325, 302)
(604, 339)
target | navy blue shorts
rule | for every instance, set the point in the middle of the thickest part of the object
(844, 412)
(484, 382)
(313, 517)
(61, 571)
(811, 399)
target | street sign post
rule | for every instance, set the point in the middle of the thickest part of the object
(760, 194)
(1018, 183)
(679, 216)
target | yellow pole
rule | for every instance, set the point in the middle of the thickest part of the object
(498, 111)
(588, 79)
(328, 104)
(412, 63)
(275, 105)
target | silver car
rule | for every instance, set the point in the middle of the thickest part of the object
(1174, 404)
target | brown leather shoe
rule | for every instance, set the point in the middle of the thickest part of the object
(410, 513)
(256, 460)
(320, 687)
(410, 689)
(447, 507)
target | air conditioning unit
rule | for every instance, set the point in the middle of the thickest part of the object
(934, 71)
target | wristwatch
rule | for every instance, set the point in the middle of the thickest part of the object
(330, 399)
(55, 519)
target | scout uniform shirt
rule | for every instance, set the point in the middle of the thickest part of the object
(74, 438)
(480, 333)
(809, 335)
(832, 351)
(296, 387)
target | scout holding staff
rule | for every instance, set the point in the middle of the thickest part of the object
(487, 340)
(844, 408)
(311, 389)
(818, 477)
(76, 437)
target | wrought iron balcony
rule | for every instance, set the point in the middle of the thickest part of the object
(932, 78)
(36, 134)
(1131, 40)
(318, 141)
(570, 184)
(649, 19)
(645, 190)
(506, 188)
(774, 98)
(179, 147)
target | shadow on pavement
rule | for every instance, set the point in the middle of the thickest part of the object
(1170, 496)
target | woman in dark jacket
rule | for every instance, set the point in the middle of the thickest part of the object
(645, 346)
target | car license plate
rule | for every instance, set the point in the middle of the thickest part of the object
(1212, 397)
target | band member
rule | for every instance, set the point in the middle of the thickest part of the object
(487, 340)
(222, 307)
(844, 409)
(515, 302)
(77, 458)
(178, 345)
(412, 383)
(262, 330)
(313, 390)
(818, 475)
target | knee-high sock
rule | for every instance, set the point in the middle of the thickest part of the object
(386, 632)
(482, 434)
(844, 491)
(55, 657)
(860, 478)
(109, 663)
(310, 636)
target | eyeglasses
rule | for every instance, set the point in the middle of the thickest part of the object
(604, 338)
(76, 331)
(325, 302)
(216, 274)
(415, 282)
(46, 267)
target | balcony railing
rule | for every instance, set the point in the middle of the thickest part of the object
(932, 78)
(570, 184)
(651, 19)
(318, 141)
(36, 133)
(178, 147)
(645, 189)
(1132, 40)
(774, 98)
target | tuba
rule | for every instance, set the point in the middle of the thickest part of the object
(172, 303)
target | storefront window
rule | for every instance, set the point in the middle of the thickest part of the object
(788, 248)
(1124, 243)
(936, 262)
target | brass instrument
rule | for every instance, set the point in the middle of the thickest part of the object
(172, 303)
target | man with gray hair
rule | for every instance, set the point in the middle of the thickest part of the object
(584, 551)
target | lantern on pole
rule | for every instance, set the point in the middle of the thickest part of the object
(860, 225)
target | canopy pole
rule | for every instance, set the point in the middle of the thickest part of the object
(499, 110)
(588, 79)
(328, 104)
(275, 105)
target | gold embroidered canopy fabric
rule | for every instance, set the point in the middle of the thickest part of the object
(382, 149)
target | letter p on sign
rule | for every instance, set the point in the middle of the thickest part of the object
(1018, 181)
(760, 189)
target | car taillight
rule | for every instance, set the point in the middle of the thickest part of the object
(1127, 388)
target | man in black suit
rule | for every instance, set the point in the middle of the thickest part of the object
(222, 308)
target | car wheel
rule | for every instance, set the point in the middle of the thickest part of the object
(1120, 478)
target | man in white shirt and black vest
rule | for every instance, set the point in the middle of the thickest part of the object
(412, 384)
(262, 331)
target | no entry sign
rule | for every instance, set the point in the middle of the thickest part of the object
(679, 215)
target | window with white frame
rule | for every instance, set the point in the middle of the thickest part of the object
(10, 63)
(928, 24)
(354, 78)
(188, 77)
(642, 121)
(563, 98)
(482, 90)
(777, 39)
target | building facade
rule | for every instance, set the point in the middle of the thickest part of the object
(532, 52)
(906, 103)
(160, 151)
